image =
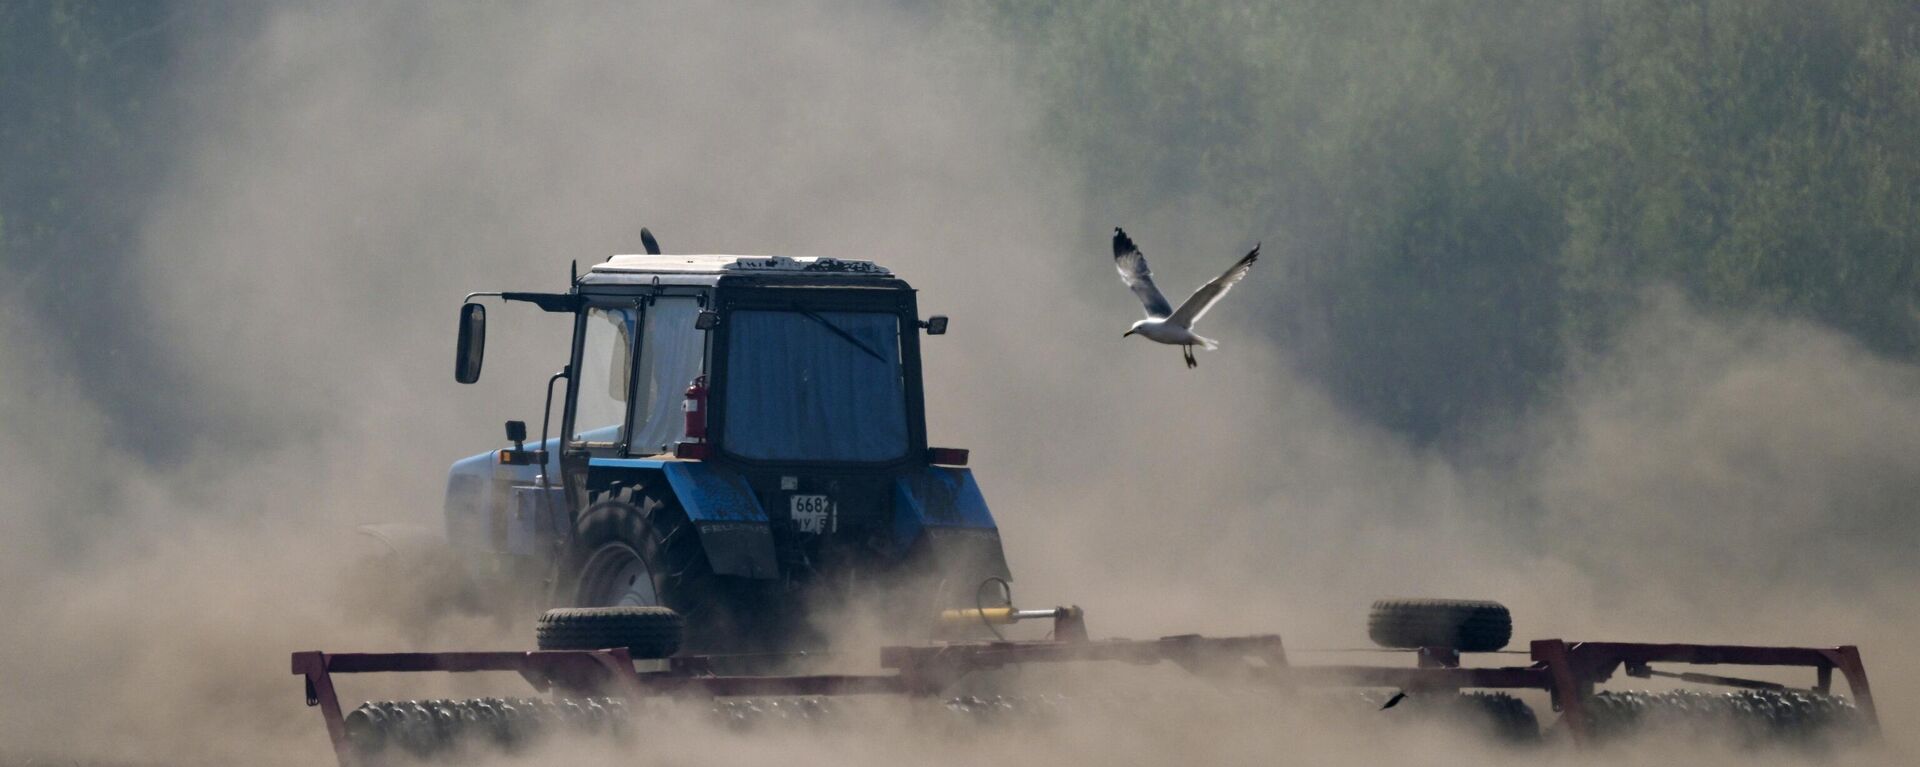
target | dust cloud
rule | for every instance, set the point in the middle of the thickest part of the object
(352, 170)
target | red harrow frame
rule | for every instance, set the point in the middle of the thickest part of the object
(1567, 671)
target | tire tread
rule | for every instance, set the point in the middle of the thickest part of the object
(645, 632)
(1465, 625)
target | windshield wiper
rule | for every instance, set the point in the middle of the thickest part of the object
(848, 337)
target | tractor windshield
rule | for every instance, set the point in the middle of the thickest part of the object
(807, 385)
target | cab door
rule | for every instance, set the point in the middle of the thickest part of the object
(634, 357)
(599, 388)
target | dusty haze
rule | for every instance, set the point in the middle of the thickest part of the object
(351, 170)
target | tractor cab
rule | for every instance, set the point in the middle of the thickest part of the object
(802, 361)
(735, 432)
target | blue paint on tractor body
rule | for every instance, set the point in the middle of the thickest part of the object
(477, 486)
(629, 463)
(707, 493)
(937, 497)
(932, 507)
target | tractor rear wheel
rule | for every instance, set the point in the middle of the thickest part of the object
(1457, 624)
(647, 553)
(640, 554)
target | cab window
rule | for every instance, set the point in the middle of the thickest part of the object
(671, 353)
(606, 355)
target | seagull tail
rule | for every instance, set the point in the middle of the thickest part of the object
(1208, 343)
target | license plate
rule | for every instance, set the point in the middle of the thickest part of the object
(813, 514)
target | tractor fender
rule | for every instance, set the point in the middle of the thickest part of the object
(721, 505)
(942, 510)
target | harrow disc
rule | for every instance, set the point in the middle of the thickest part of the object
(1497, 716)
(1747, 717)
(423, 728)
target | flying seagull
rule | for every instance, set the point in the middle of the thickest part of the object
(1165, 324)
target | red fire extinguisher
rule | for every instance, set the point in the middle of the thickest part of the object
(696, 409)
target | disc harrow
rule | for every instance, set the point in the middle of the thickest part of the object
(602, 691)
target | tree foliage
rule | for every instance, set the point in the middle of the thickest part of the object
(1472, 191)
(79, 82)
(1464, 194)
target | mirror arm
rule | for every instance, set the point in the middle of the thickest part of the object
(548, 302)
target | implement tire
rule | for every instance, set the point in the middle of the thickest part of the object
(1457, 624)
(645, 632)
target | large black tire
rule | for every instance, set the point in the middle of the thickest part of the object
(721, 614)
(645, 632)
(1457, 624)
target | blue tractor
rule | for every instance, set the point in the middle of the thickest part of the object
(742, 439)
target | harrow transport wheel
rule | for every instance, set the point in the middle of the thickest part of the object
(1457, 624)
(646, 632)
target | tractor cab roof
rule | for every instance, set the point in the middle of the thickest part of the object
(708, 270)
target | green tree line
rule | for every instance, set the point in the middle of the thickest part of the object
(1470, 193)
(1464, 195)
(81, 113)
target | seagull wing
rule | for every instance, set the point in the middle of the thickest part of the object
(1139, 278)
(1196, 305)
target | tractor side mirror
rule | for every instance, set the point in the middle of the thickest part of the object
(936, 325)
(706, 320)
(472, 343)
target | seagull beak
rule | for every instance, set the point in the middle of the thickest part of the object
(1128, 333)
